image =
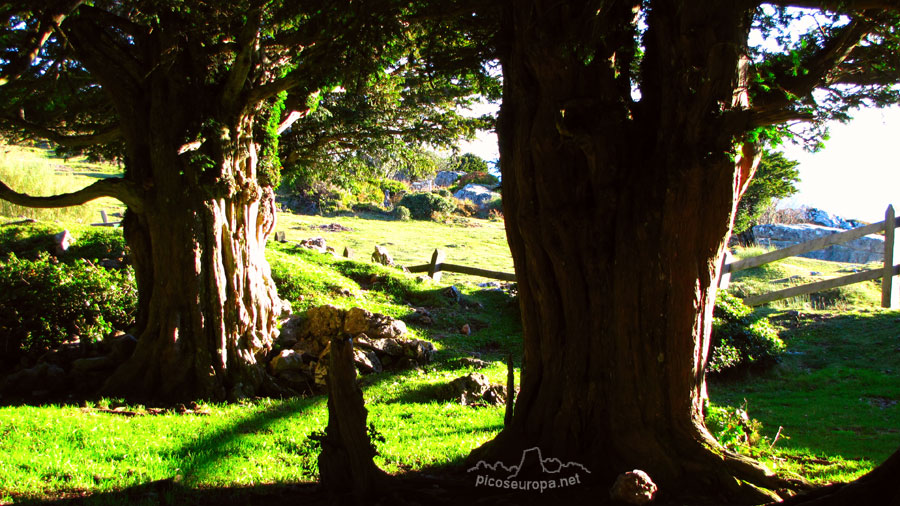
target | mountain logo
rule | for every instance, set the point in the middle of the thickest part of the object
(533, 472)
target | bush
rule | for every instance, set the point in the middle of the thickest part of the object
(423, 205)
(740, 338)
(443, 192)
(44, 303)
(466, 208)
(401, 213)
(482, 178)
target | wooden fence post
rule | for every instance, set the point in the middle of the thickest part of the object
(725, 275)
(434, 269)
(890, 291)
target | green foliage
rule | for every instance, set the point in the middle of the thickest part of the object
(402, 213)
(481, 178)
(44, 303)
(775, 178)
(468, 163)
(740, 337)
(423, 205)
(733, 428)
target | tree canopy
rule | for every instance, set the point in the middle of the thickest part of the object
(774, 179)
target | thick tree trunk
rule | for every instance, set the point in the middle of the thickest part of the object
(208, 307)
(617, 215)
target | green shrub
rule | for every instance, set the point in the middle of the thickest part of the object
(733, 428)
(368, 207)
(740, 338)
(422, 205)
(44, 303)
(401, 213)
(482, 178)
(443, 192)
(28, 240)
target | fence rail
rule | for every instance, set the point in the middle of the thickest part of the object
(437, 266)
(890, 295)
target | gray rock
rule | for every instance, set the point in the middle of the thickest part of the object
(286, 360)
(634, 487)
(824, 218)
(86, 365)
(61, 242)
(40, 379)
(314, 243)
(475, 388)
(366, 361)
(446, 178)
(381, 256)
(478, 194)
(866, 249)
(122, 347)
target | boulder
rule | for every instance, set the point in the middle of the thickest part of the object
(446, 178)
(475, 388)
(634, 487)
(824, 218)
(61, 242)
(378, 340)
(286, 360)
(381, 256)
(40, 379)
(866, 249)
(314, 243)
(478, 194)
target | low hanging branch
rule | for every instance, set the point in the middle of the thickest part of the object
(116, 188)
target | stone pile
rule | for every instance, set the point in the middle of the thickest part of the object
(378, 344)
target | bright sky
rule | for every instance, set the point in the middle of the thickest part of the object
(855, 176)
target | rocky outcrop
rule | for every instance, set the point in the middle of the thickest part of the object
(479, 195)
(379, 343)
(866, 249)
(474, 389)
(817, 216)
(446, 178)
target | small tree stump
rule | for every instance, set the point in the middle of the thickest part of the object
(345, 465)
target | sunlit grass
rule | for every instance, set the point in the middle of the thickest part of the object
(30, 171)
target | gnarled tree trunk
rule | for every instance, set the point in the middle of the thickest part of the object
(617, 215)
(208, 307)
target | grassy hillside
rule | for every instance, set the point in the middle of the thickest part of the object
(828, 411)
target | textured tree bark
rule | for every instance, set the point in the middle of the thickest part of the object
(208, 308)
(346, 468)
(617, 215)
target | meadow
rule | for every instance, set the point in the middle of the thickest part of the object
(828, 411)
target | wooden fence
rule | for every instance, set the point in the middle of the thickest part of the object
(889, 289)
(438, 265)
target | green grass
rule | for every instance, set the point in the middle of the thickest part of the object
(796, 271)
(36, 172)
(834, 395)
(466, 241)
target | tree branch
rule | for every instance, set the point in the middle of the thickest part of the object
(49, 21)
(838, 5)
(820, 69)
(243, 63)
(117, 188)
(69, 141)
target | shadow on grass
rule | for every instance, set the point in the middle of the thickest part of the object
(203, 453)
(98, 175)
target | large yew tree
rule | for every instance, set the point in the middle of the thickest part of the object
(193, 96)
(628, 131)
